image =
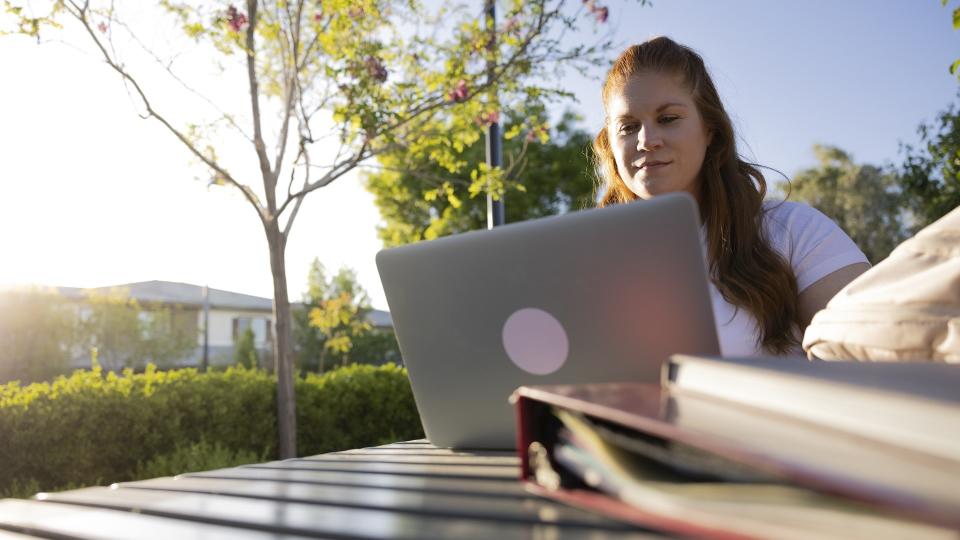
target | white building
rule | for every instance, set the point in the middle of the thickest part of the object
(230, 315)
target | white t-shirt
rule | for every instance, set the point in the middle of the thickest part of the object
(813, 245)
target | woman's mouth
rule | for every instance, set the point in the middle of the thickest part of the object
(654, 165)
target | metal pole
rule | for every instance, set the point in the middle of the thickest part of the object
(206, 327)
(495, 214)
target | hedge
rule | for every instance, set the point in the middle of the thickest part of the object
(94, 428)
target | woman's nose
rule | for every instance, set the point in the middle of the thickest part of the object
(648, 139)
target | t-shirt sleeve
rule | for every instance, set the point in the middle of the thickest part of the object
(815, 246)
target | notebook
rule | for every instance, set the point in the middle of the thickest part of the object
(600, 295)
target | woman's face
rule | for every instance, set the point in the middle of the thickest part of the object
(657, 135)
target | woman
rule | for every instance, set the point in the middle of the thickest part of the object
(773, 265)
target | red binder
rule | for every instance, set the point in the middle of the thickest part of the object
(882, 489)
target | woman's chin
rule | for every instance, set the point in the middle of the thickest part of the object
(650, 187)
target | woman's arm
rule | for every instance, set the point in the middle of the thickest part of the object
(815, 297)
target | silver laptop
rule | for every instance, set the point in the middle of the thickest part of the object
(601, 295)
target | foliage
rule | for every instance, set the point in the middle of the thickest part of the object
(127, 334)
(333, 320)
(95, 427)
(195, 457)
(245, 350)
(930, 176)
(37, 334)
(955, 66)
(862, 199)
(378, 346)
(419, 200)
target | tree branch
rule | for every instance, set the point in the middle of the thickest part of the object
(269, 183)
(290, 82)
(80, 13)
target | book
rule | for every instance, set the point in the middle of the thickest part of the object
(681, 459)
(914, 405)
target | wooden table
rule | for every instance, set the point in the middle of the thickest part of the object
(409, 490)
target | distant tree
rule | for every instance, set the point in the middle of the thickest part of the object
(333, 320)
(127, 334)
(377, 346)
(419, 199)
(308, 339)
(862, 199)
(37, 334)
(245, 351)
(930, 175)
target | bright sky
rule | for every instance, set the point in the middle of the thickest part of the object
(93, 195)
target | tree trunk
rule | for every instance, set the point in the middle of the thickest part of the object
(283, 367)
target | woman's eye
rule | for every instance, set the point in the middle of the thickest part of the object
(668, 119)
(627, 128)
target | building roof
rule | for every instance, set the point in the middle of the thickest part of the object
(185, 294)
(169, 292)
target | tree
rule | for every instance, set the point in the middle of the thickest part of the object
(37, 333)
(955, 66)
(127, 334)
(378, 346)
(421, 200)
(307, 339)
(355, 340)
(333, 319)
(862, 199)
(329, 86)
(930, 176)
(245, 352)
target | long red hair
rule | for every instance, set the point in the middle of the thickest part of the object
(746, 270)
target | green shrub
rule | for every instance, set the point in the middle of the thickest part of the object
(94, 428)
(200, 456)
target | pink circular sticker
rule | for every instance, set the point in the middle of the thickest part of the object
(535, 341)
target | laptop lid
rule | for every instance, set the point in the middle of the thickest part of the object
(601, 295)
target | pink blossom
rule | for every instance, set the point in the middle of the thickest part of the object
(235, 19)
(356, 12)
(487, 118)
(318, 16)
(601, 14)
(493, 117)
(460, 92)
(376, 69)
(534, 134)
(102, 27)
(512, 25)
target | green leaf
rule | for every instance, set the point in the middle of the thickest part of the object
(954, 67)
(956, 19)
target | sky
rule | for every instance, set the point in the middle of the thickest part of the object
(93, 195)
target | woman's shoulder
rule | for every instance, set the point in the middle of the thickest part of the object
(784, 219)
(810, 241)
(791, 213)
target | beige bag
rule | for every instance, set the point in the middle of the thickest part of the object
(905, 308)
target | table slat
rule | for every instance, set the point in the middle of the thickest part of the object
(499, 472)
(428, 484)
(50, 520)
(316, 520)
(528, 511)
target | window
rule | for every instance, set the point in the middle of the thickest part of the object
(240, 325)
